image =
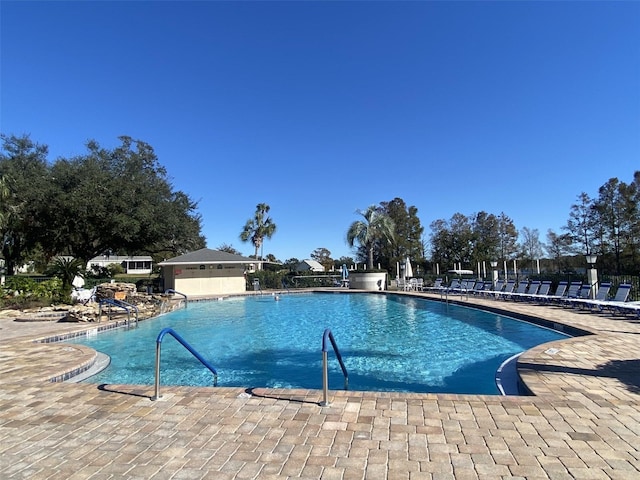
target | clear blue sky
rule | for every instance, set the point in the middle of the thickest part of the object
(322, 108)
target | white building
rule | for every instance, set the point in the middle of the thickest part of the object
(135, 265)
(208, 272)
(309, 266)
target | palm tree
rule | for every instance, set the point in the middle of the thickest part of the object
(67, 269)
(376, 227)
(258, 228)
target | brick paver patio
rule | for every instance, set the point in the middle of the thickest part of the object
(582, 423)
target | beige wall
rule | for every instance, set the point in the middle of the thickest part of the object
(210, 280)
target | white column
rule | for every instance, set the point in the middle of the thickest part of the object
(592, 278)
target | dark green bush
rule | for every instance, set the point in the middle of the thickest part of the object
(23, 292)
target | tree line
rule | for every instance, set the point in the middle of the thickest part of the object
(120, 201)
(117, 201)
(607, 225)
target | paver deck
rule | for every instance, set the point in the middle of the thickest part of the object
(582, 423)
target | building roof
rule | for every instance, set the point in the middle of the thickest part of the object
(206, 256)
(313, 265)
(121, 258)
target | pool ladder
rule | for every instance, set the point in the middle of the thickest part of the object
(172, 291)
(112, 302)
(191, 350)
(327, 337)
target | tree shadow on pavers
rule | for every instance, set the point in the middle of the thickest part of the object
(626, 332)
(625, 371)
(286, 396)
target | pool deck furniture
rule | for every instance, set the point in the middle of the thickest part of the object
(542, 292)
(437, 285)
(559, 292)
(583, 422)
(508, 289)
(601, 296)
(618, 303)
(513, 294)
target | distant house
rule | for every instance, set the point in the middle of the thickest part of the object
(207, 272)
(135, 265)
(309, 266)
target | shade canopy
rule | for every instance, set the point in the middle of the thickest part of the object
(462, 272)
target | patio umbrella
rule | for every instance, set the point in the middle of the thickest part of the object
(408, 271)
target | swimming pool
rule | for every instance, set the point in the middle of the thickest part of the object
(388, 343)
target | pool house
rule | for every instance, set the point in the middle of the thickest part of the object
(207, 272)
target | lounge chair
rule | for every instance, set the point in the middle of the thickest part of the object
(437, 285)
(561, 289)
(582, 294)
(522, 288)
(508, 289)
(532, 291)
(538, 292)
(494, 289)
(618, 303)
(454, 287)
(571, 292)
(542, 295)
(602, 295)
(471, 284)
(478, 289)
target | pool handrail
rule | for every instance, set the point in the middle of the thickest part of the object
(120, 304)
(191, 350)
(327, 335)
(171, 290)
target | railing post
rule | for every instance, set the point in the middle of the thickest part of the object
(156, 395)
(189, 348)
(327, 335)
(325, 380)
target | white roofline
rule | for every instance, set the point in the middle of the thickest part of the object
(210, 262)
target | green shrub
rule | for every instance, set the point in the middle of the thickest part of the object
(23, 292)
(268, 279)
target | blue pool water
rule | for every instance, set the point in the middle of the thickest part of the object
(388, 343)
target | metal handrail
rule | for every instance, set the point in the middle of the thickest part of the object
(191, 350)
(120, 304)
(170, 290)
(325, 366)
